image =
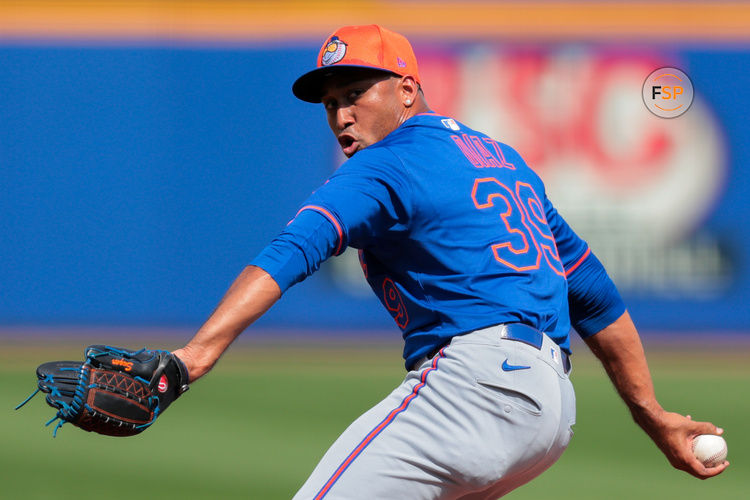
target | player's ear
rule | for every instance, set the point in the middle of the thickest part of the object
(409, 89)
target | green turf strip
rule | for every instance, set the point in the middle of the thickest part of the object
(256, 426)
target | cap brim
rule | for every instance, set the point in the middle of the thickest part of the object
(309, 87)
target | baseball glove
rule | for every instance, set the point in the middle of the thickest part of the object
(115, 391)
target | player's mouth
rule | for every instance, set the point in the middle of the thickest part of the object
(348, 144)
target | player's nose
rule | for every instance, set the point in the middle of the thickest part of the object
(344, 117)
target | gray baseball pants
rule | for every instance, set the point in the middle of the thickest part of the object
(482, 417)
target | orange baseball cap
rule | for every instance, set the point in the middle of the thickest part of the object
(369, 46)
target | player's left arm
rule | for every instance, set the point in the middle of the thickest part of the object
(363, 198)
(252, 293)
(618, 347)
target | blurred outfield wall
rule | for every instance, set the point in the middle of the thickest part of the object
(149, 150)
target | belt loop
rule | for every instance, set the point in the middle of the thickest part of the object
(567, 366)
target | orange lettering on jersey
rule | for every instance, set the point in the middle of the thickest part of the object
(489, 160)
(362, 261)
(518, 249)
(474, 149)
(527, 235)
(499, 153)
(532, 205)
(395, 303)
(467, 148)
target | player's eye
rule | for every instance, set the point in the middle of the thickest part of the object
(354, 94)
(330, 104)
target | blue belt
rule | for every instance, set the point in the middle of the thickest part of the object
(519, 333)
(533, 337)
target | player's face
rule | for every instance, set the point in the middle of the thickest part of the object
(362, 108)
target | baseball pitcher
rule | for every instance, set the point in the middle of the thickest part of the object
(460, 242)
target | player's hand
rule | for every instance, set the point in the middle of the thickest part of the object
(673, 434)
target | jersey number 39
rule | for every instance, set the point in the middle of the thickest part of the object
(528, 236)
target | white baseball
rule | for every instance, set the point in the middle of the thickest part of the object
(709, 449)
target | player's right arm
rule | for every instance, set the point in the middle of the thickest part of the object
(598, 314)
(618, 347)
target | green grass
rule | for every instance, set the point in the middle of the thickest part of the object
(256, 426)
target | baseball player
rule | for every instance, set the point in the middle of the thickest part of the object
(459, 241)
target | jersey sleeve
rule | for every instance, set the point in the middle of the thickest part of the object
(367, 197)
(298, 251)
(362, 200)
(593, 299)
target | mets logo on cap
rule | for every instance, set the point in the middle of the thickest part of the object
(334, 51)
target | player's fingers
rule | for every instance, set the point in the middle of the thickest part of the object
(706, 472)
(705, 428)
(693, 466)
(694, 428)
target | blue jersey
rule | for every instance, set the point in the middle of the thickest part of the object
(455, 233)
